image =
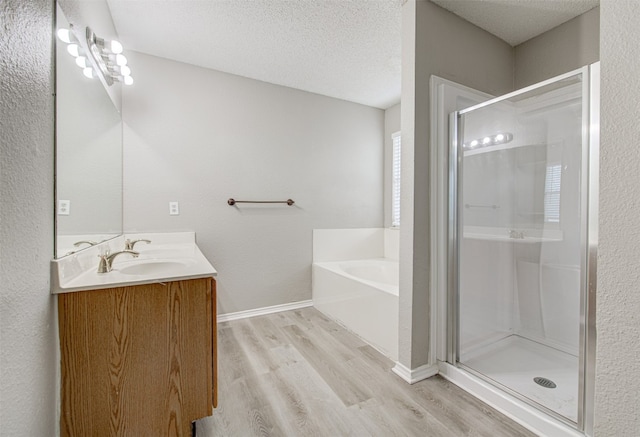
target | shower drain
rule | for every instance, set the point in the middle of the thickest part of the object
(546, 383)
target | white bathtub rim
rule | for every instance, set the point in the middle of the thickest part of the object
(336, 267)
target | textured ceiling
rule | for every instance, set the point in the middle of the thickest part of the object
(516, 21)
(348, 49)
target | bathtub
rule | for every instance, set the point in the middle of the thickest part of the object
(362, 295)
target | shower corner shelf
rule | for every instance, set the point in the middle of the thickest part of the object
(504, 235)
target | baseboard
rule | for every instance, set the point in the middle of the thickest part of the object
(265, 310)
(414, 375)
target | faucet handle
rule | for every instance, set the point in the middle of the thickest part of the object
(104, 264)
(129, 245)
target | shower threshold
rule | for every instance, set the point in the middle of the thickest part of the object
(515, 362)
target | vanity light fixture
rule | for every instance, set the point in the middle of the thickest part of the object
(492, 140)
(74, 49)
(89, 72)
(82, 62)
(109, 59)
(101, 56)
(66, 36)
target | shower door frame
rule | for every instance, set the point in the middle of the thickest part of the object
(589, 243)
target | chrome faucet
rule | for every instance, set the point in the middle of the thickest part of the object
(128, 244)
(106, 260)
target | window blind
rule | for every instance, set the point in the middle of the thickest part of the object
(395, 181)
(552, 193)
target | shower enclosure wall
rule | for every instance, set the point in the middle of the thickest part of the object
(519, 234)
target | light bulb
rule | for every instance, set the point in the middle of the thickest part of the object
(128, 80)
(65, 35)
(125, 71)
(473, 143)
(81, 62)
(74, 50)
(115, 47)
(88, 72)
(121, 59)
(486, 140)
(500, 137)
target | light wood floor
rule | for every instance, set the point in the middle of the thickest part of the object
(297, 373)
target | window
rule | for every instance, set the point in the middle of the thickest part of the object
(395, 181)
(552, 193)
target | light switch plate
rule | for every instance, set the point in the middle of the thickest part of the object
(174, 208)
(64, 207)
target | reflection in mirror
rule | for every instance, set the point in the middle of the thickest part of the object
(88, 155)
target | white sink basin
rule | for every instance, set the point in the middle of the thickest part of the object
(163, 267)
(171, 257)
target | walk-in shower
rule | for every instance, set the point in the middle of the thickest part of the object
(522, 239)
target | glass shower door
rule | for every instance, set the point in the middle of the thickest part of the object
(518, 235)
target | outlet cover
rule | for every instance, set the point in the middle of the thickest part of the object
(174, 208)
(64, 207)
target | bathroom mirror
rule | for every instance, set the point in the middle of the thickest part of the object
(88, 155)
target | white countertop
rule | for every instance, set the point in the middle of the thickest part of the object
(169, 257)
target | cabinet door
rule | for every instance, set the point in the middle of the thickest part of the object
(136, 360)
(214, 342)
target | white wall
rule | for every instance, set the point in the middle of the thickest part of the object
(199, 137)
(28, 341)
(618, 298)
(434, 42)
(564, 48)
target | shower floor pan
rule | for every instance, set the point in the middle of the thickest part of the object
(514, 362)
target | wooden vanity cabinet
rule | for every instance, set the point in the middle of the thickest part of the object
(138, 360)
